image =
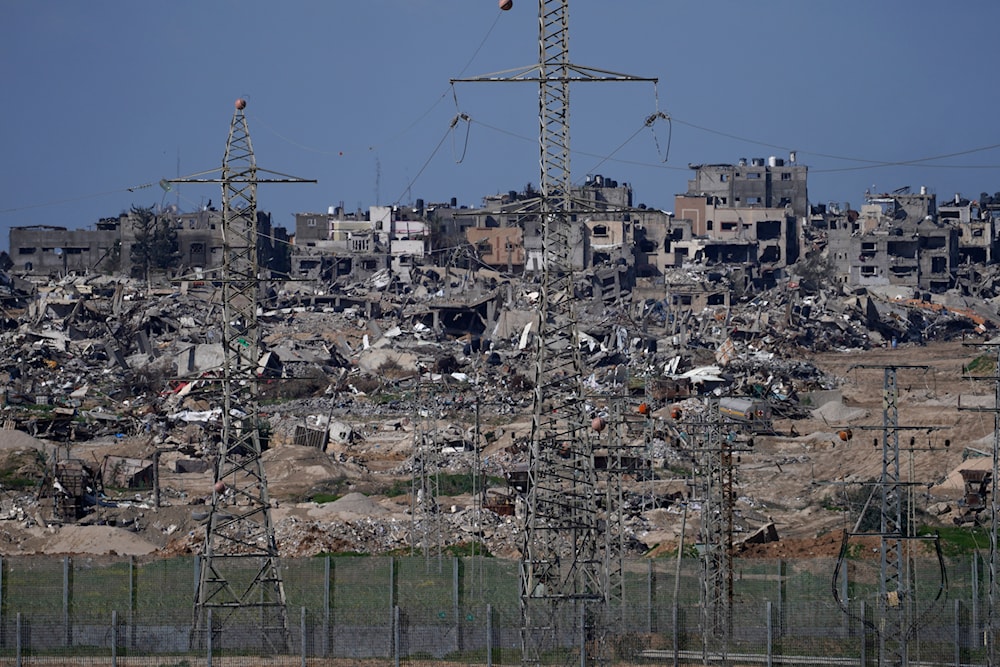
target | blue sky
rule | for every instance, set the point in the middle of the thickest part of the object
(107, 95)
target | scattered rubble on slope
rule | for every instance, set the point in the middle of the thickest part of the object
(117, 386)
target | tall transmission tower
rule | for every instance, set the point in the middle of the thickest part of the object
(715, 446)
(898, 618)
(991, 633)
(565, 564)
(239, 583)
(425, 531)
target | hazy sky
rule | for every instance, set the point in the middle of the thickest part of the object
(106, 95)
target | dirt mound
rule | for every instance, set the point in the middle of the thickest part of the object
(90, 540)
(824, 546)
(13, 439)
(293, 469)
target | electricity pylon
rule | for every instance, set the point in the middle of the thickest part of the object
(898, 617)
(991, 632)
(239, 584)
(565, 562)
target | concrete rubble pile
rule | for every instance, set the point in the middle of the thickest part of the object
(359, 372)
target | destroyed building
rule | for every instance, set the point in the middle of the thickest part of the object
(745, 214)
(899, 239)
(359, 245)
(758, 183)
(977, 231)
(49, 250)
(500, 248)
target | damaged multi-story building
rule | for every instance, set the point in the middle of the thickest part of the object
(48, 250)
(906, 239)
(614, 241)
(359, 245)
(743, 215)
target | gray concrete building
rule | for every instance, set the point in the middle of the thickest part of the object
(756, 183)
(896, 239)
(50, 250)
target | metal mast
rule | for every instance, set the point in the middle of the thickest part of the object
(897, 618)
(717, 526)
(425, 532)
(565, 557)
(713, 446)
(992, 629)
(561, 566)
(239, 582)
(893, 601)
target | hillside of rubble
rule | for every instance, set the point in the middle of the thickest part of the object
(111, 411)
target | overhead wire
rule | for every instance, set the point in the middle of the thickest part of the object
(402, 131)
(869, 163)
(72, 200)
(424, 166)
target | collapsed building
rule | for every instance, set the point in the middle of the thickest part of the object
(907, 240)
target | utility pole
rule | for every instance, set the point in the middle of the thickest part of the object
(895, 607)
(425, 511)
(992, 629)
(565, 585)
(240, 587)
(715, 448)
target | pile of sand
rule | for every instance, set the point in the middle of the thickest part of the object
(90, 540)
(838, 414)
(351, 507)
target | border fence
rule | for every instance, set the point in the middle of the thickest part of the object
(417, 610)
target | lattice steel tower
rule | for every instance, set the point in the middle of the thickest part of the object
(896, 613)
(239, 582)
(991, 630)
(715, 452)
(567, 558)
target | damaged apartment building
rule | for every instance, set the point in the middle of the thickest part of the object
(47, 250)
(358, 246)
(503, 235)
(743, 215)
(740, 220)
(908, 240)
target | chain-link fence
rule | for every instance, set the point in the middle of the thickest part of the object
(443, 610)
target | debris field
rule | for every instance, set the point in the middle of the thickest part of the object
(111, 413)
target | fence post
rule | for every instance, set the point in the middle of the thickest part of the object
(845, 596)
(133, 600)
(782, 592)
(958, 632)
(208, 640)
(864, 635)
(489, 635)
(396, 636)
(456, 601)
(393, 610)
(770, 633)
(67, 600)
(650, 582)
(975, 594)
(302, 639)
(17, 639)
(114, 638)
(328, 584)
